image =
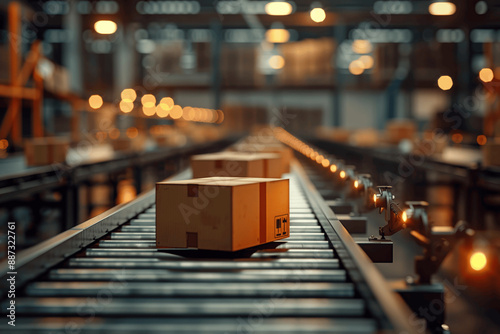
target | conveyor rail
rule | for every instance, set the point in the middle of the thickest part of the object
(317, 281)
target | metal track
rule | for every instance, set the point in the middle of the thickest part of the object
(309, 283)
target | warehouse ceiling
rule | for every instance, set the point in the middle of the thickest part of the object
(231, 13)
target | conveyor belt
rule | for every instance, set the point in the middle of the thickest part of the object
(122, 284)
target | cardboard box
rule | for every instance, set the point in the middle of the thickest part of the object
(236, 164)
(399, 129)
(285, 152)
(129, 144)
(46, 151)
(221, 213)
(365, 138)
(336, 134)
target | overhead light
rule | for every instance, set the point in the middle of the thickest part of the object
(149, 111)
(128, 95)
(486, 75)
(318, 14)
(277, 36)
(188, 113)
(126, 106)
(276, 62)
(362, 46)
(220, 115)
(148, 100)
(457, 138)
(482, 140)
(105, 27)
(442, 8)
(278, 8)
(132, 132)
(166, 103)
(356, 67)
(478, 261)
(4, 144)
(95, 101)
(367, 61)
(176, 112)
(445, 82)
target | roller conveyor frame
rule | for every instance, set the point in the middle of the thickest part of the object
(387, 309)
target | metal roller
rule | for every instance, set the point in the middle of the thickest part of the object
(114, 273)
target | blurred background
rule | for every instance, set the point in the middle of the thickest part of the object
(125, 90)
(101, 99)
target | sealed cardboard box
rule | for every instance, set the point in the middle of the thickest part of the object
(236, 164)
(334, 133)
(365, 138)
(285, 152)
(46, 151)
(221, 213)
(399, 129)
(129, 144)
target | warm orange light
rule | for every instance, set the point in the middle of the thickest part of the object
(209, 116)
(318, 15)
(445, 82)
(148, 100)
(132, 132)
(149, 111)
(203, 114)
(457, 138)
(277, 36)
(319, 159)
(342, 174)
(4, 144)
(486, 75)
(333, 168)
(356, 184)
(95, 101)
(188, 113)
(442, 8)
(362, 46)
(161, 112)
(220, 119)
(126, 193)
(215, 116)
(101, 135)
(114, 133)
(105, 27)
(404, 216)
(126, 106)
(375, 198)
(478, 261)
(166, 103)
(278, 8)
(176, 112)
(356, 67)
(196, 114)
(481, 140)
(276, 62)
(367, 61)
(128, 95)
(325, 163)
